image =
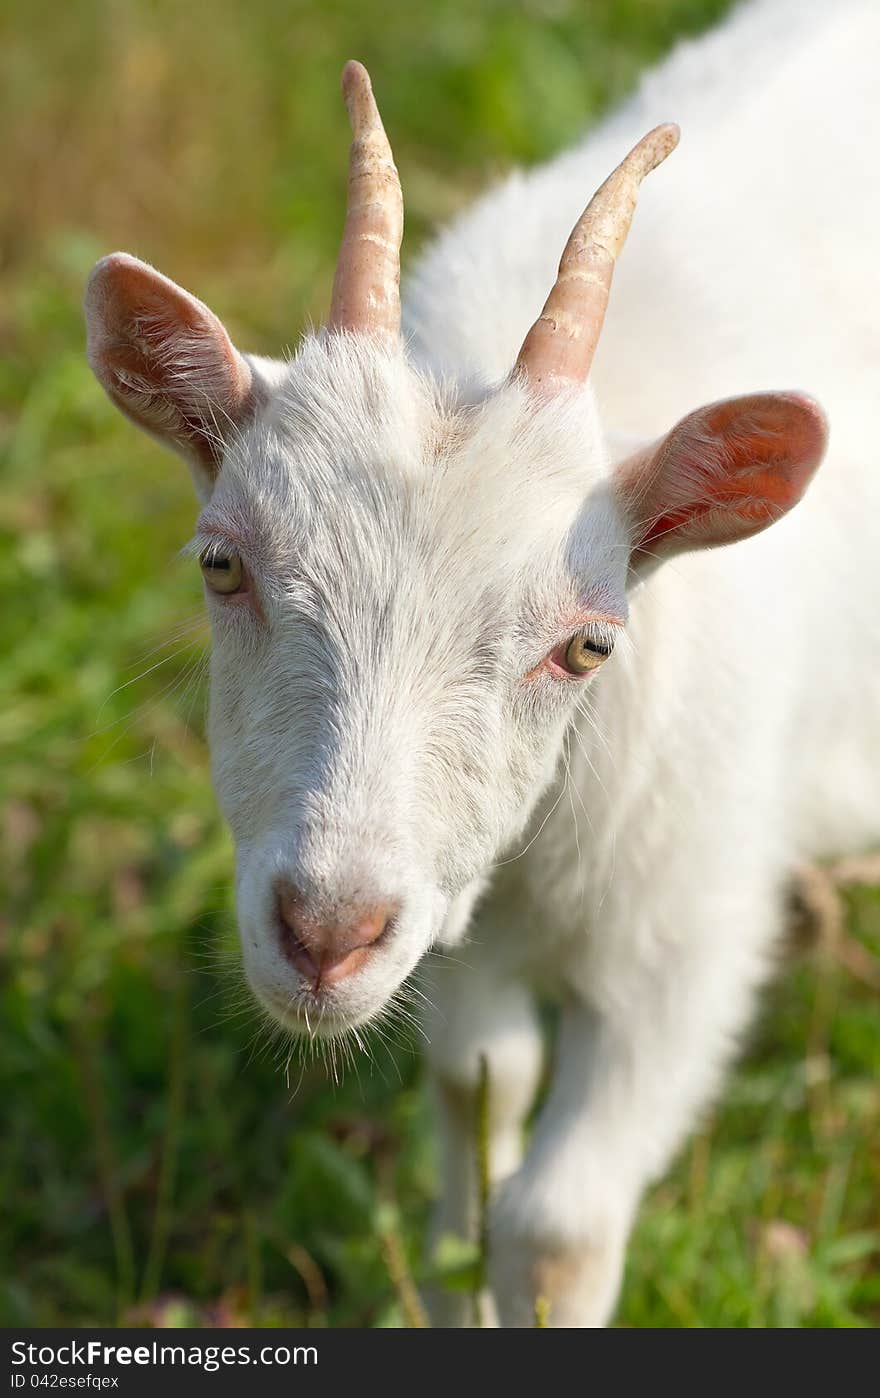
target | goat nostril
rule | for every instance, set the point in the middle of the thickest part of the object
(296, 949)
(371, 928)
(300, 955)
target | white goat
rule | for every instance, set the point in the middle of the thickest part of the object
(456, 703)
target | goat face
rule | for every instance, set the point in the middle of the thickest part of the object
(389, 687)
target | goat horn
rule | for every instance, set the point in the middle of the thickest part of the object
(366, 290)
(558, 350)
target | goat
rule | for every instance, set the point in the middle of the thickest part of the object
(482, 677)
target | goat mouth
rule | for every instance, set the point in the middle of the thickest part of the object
(313, 1014)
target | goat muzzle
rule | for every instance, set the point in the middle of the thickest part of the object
(325, 952)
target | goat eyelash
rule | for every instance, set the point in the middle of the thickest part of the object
(205, 545)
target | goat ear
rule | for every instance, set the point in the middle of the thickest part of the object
(166, 361)
(724, 472)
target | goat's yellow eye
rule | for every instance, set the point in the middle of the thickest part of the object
(222, 571)
(585, 653)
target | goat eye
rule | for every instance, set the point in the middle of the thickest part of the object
(585, 653)
(222, 571)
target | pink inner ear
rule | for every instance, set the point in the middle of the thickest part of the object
(725, 471)
(165, 358)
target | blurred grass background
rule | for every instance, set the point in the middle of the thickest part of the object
(153, 1163)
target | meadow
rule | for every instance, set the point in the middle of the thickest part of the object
(156, 1163)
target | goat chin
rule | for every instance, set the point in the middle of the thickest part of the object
(326, 1012)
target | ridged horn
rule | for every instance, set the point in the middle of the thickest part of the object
(366, 289)
(559, 349)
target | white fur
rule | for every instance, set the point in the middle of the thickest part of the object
(421, 535)
(739, 728)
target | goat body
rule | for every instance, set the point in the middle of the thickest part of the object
(399, 544)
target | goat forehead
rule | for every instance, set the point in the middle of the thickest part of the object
(346, 399)
(463, 529)
(364, 480)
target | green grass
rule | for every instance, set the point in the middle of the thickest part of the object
(146, 1152)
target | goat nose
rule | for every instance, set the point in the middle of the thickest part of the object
(326, 952)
